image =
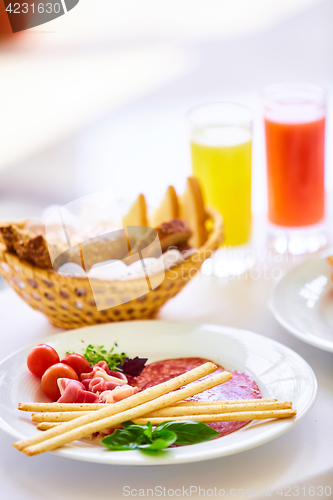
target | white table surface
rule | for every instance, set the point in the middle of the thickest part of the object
(302, 457)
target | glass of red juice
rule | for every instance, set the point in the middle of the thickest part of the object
(295, 115)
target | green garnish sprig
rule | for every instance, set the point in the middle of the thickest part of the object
(94, 354)
(142, 437)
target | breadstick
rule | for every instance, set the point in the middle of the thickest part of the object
(45, 426)
(222, 402)
(171, 411)
(36, 407)
(217, 409)
(57, 416)
(61, 406)
(125, 404)
(222, 417)
(78, 430)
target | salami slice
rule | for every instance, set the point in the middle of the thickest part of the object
(241, 386)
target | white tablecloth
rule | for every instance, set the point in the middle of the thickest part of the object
(302, 458)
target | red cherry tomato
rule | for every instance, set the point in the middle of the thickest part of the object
(40, 358)
(77, 362)
(50, 377)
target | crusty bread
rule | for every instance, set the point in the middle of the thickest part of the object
(168, 208)
(192, 210)
(34, 250)
(11, 234)
(26, 245)
(137, 214)
(173, 233)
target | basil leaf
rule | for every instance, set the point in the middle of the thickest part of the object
(188, 431)
(120, 440)
(141, 431)
(134, 436)
(148, 432)
(127, 424)
(164, 439)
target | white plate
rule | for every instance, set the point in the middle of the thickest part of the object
(279, 372)
(303, 302)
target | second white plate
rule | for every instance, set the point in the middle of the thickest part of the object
(279, 372)
(302, 302)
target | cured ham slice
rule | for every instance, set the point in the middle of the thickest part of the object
(90, 384)
(118, 394)
(97, 371)
(72, 391)
(104, 365)
(97, 385)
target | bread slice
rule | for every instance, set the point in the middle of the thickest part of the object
(34, 250)
(137, 214)
(10, 234)
(173, 233)
(168, 208)
(192, 210)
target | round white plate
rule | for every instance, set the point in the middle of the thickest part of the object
(303, 301)
(279, 372)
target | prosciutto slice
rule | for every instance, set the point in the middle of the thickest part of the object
(72, 391)
(99, 372)
(104, 365)
(99, 385)
(118, 394)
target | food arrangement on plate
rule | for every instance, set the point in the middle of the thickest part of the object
(128, 404)
(65, 295)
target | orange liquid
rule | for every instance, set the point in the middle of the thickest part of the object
(295, 172)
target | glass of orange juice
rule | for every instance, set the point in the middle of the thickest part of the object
(295, 115)
(221, 150)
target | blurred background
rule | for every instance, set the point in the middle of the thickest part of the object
(97, 98)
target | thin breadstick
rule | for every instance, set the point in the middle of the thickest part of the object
(57, 416)
(222, 402)
(62, 406)
(36, 407)
(125, 404)
(171, 411)
(78, 431)
(222, 417)
(217, 409)
(45, 426)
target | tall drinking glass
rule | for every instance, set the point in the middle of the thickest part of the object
(294, 115)
(221, 145)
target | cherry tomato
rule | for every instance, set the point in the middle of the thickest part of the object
(40, 358)
(50, 377)
(77, 362)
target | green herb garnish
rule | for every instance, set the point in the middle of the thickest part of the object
(94, 354)
(144, 438)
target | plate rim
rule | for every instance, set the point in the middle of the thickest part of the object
(71, 453)
(314, 341)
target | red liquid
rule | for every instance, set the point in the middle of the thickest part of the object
(295, 172)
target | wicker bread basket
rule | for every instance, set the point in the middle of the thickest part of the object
(68, 301)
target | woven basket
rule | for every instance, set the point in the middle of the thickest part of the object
(68, 301)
